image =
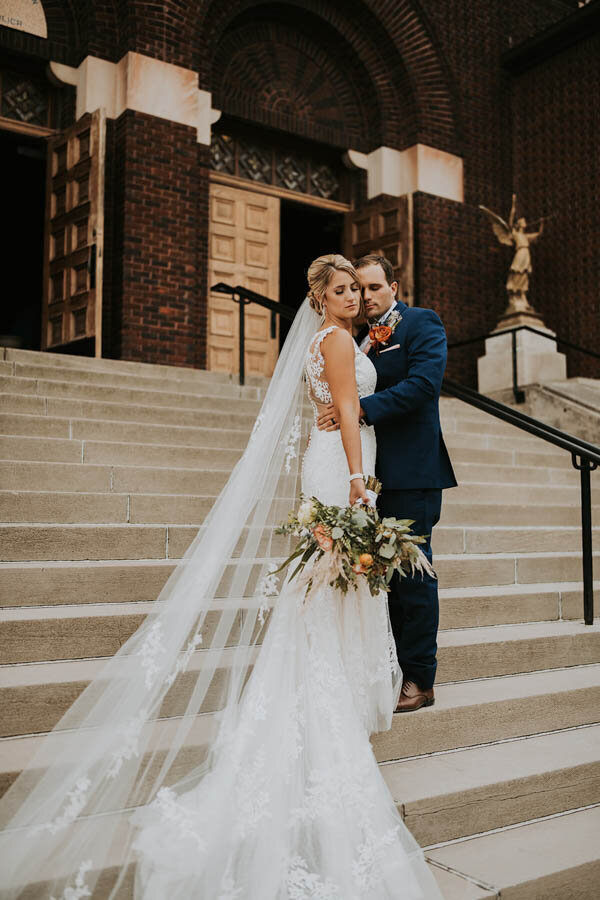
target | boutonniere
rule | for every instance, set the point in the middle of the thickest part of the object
(379, 335)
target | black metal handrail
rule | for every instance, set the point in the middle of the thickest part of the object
(518, 394)
(243, 296)
(585, 457)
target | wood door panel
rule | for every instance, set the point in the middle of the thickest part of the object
(73, 245)
(385, 226)
(244, 250)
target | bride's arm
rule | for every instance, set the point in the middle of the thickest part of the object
(338, 352)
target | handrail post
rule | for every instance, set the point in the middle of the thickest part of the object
(242, 338)
(585, 466)
(518, 394)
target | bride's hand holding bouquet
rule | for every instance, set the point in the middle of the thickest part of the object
(353, 542)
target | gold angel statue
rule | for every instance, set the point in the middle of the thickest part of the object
(513, 234)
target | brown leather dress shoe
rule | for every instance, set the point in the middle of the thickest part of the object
(413, 697)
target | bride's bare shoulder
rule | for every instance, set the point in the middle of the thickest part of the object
(338, 340)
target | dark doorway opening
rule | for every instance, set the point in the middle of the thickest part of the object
(23, 166)
(306, 232)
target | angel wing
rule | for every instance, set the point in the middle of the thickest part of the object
(500, 227)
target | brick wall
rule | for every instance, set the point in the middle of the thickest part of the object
(459, 266)
(159, 194)
(556, 136)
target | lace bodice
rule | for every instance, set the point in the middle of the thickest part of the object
(318, 388)
(324, 466)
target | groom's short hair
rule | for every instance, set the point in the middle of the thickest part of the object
(373, 259)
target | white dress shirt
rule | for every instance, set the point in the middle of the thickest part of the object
(381, 321)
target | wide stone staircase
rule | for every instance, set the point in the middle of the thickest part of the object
(108, 468)
(572, 405)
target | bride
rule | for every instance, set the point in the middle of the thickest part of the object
(223, 753)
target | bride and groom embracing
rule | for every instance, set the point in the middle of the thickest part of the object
(407, 346)
(224, 753)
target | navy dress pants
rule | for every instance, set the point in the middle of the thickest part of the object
(413, 602)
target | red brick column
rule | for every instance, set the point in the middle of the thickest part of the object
(159, 205)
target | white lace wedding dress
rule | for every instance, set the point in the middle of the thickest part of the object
(295, 806)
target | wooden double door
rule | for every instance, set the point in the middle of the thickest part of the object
(243, 250)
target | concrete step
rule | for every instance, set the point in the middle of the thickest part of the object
(483, 711)
(48, 396)
(47, 583)
(509, 649)
(57, 583)
(202, 397)
(127, 541)
(517, 442)
(40, 634)
(108, 430)
(451, 795)
(539, 494)
(38, 449)
(552, 858)
(211, 417)
(43, 449)
(53, 476)
(510, 514)
(192, 479)
(516, 474)
(465, 714)
(114, 421)
(466, 607)
(143, 579)
(155, 371)
(452, 885)
(188, 508)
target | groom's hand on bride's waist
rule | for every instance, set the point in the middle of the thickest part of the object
(329, 419)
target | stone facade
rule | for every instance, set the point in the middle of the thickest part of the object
(368, 74)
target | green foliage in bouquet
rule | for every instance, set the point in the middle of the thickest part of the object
(357, 542)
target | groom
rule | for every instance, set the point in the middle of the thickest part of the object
(409, 354)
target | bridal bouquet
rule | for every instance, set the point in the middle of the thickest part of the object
(353, 542)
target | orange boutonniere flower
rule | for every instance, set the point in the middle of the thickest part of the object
(379, 335)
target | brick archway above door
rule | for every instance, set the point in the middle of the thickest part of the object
(285, 75)
(387, 50)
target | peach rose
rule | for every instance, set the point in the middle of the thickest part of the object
(379, 334)
(366, 560)
(322, 537)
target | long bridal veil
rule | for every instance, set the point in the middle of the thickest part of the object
(151, 716)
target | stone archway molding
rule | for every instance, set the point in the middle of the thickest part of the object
(141, 83)
(418, 168)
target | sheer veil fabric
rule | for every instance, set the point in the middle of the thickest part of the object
(158, 782)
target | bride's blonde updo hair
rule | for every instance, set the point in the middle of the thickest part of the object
(320, 273)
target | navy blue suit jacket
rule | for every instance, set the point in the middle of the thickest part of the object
(405, 406)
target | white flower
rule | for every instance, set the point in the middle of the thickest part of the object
(184, 659)
(292, 439)
(183, 819)
(76, 801)
(306, 512)
(267, 588)
(80, 889)
(150, 651)
(130, 746)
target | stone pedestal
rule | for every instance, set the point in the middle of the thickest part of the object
(538, 359)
